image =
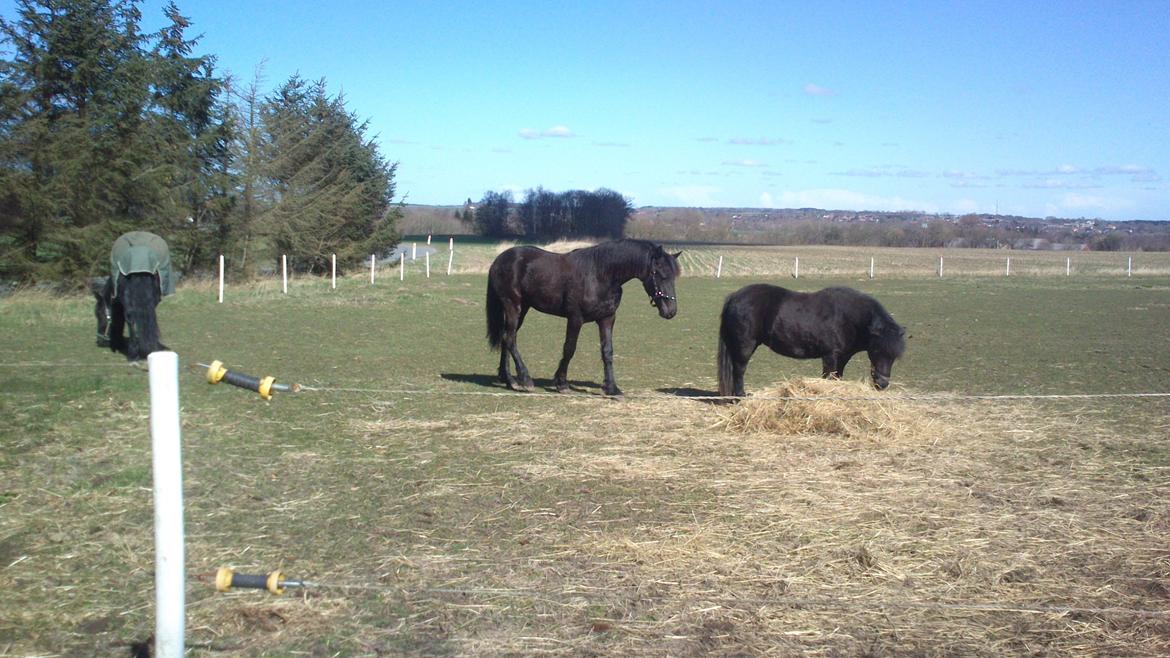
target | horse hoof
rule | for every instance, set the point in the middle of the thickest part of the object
(614, 392)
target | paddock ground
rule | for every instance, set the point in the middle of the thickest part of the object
(443, 515)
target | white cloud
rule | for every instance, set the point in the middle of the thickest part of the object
(838, 199)
(760, 141)
(817, 90)
(692, 195)
(555, 131)
(1080, 204)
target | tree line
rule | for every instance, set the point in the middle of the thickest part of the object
(545, 215)
(105, 128)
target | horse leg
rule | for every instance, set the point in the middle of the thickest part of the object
(117, 326)
(571, 332)
(513, 318)
(605, 328)
(739, 364)
(833, 364)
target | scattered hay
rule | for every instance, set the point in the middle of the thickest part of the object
(825, 406)
(565, 246)
(558, 247)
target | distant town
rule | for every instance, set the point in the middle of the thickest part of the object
(844, 227)
(903, 228)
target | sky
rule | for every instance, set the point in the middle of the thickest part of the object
(1022, 108)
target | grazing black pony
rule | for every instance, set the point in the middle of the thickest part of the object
(140, 275)
(584, 285)
(832, 324)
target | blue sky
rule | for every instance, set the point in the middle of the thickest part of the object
(1036, 109)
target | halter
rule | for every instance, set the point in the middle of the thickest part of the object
(658, 295)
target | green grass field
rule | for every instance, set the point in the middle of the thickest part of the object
(441, 514)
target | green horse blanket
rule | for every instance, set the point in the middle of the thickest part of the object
(140, 251)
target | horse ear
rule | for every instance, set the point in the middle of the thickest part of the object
(677, 254)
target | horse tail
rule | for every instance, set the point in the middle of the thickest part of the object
(139, 294)
(726, 383)
(495, 315)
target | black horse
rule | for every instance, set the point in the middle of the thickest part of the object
(832, 324)
(139, 278)
(584, 285)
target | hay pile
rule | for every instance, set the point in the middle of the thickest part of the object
(811, 406)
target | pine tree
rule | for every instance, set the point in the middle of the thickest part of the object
(102, 129)
(330, 189)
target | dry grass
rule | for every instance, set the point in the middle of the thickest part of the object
(830, 407)
(912, 529)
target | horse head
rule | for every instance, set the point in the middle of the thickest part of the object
(887, 343)
(659, 281)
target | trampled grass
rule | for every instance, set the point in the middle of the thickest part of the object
(442, 514)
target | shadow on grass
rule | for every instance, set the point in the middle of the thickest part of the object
(546, 384)
(688, 392)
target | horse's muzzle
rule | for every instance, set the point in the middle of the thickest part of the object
(667, 309)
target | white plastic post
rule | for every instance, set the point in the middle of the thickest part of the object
(940, 267)
(334, 269)
(221, 278)
(450, 244)
(428, 239)
(170, 579)
(1008, 270)
(402, 266)
(428, 256)
(450, 259)
(871, 267)
(284, 272)
(371, 269)
(1129, 267)
(1068, 266)
(719, 268)
(413, 251)
(796, 268)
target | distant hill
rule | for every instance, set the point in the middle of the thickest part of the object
(821, 226)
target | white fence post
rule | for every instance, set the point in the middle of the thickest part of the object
(284, 273)
(170, 579)
(334, 270)
(221, 278)
(402, 266)
(1129, 267)
(871, 267)
(796, 268)
(1008, 270)
(450, 256)
(371, 269)
(428, 257)
(413, 251)
(719, 268)
(940, 267)
(1068, 266)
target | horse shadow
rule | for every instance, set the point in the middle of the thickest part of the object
(703, 395)
(492, 381)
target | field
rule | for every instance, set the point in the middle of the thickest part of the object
(439, 514)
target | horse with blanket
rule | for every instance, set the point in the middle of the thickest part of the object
(140, 275)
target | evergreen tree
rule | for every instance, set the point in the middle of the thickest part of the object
(102, 130)
(494, 215)
(330, 189)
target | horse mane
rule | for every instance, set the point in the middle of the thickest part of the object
(887, 335)
(629, 256)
